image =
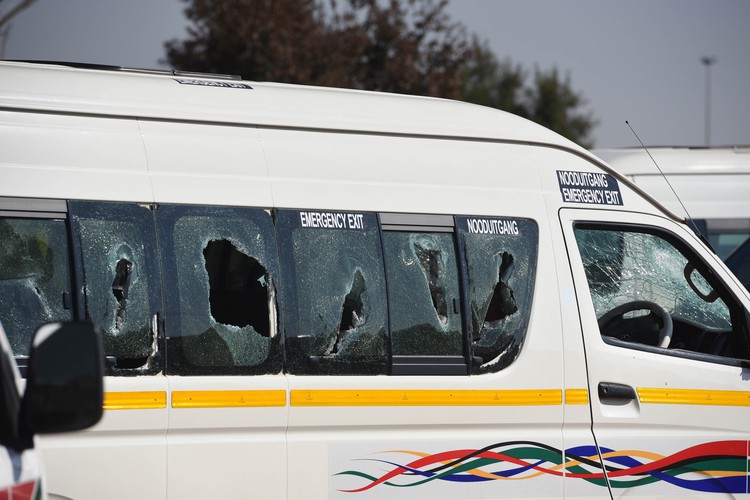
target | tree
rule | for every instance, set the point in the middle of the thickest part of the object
(396, 46)
(488, 82)
(549, 101)
(259, 39)
(555, 105)
(401, 46)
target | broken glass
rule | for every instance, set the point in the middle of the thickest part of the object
(423, 293)
(335, 295)
(116, 287)
(638, 266)
(500, 261)
(34, 277)
(220, 287)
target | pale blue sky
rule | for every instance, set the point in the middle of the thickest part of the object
(635, 60)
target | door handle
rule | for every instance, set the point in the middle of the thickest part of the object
(611, 390)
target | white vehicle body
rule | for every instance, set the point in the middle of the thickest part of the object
(319, 293)
(712, 184)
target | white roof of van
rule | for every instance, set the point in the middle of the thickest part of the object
(205, 98)
(678, 160)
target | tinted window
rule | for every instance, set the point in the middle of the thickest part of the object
(499, 258)
(120, 280)
(34, 277)
(739, 263)
(636, 277)
(334, 292)
(423, 294)
(220, 273)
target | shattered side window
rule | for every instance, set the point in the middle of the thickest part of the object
(500, 257)
(120, 285)
(627, 266)
(34, 277)
(423, 294)
(334, 297)
(220, 288)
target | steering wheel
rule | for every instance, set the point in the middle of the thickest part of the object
(665, 334)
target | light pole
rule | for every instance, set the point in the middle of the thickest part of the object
(707, 62)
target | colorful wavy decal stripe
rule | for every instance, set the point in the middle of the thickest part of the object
(718, 467)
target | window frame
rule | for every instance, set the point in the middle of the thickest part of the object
(274, 362)
(437, 364)
(47, 209)
(739, 316)
(528, 222)
(77, 207)
(298, 359)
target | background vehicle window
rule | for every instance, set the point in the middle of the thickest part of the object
(34, 277)
(423, 293)
(739, 263)
(725, 235)
(219, 283)
(725, 243)
(499, 258)
(120, 283)
(635, 277)
(334, 292)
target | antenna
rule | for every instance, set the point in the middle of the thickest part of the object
(690, 219)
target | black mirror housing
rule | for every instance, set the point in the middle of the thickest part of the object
(64, 388)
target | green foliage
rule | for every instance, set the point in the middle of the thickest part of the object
(552, 103)
(400, 46)
(549, 101)
(395, 46)
(491, 83)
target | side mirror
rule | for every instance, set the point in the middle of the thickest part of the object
(64, 388)
(698, 284)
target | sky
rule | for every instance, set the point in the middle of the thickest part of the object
(634, 60)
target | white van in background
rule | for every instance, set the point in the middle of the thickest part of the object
(712, 183)
(309, 293)
(63, 393)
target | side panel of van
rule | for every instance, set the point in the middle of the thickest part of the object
(131, 262)
(293, 309)
(196, 404)
(228, 400)
(674, 409)
(669, 403)
(113, 263)
(435, 435)
(47, 154)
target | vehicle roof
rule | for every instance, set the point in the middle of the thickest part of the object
(159, 95)
(678, 160)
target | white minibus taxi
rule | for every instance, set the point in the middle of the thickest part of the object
(711, 184)
(313, 293)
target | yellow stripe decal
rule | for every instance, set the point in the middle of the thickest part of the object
(414, 397)
(145, 400)
(693, 397)
(228, 399)
(135, 400)
(576, 396)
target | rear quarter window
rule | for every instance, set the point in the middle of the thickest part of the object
(499, 262)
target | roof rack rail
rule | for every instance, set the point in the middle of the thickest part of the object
(109, 67)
